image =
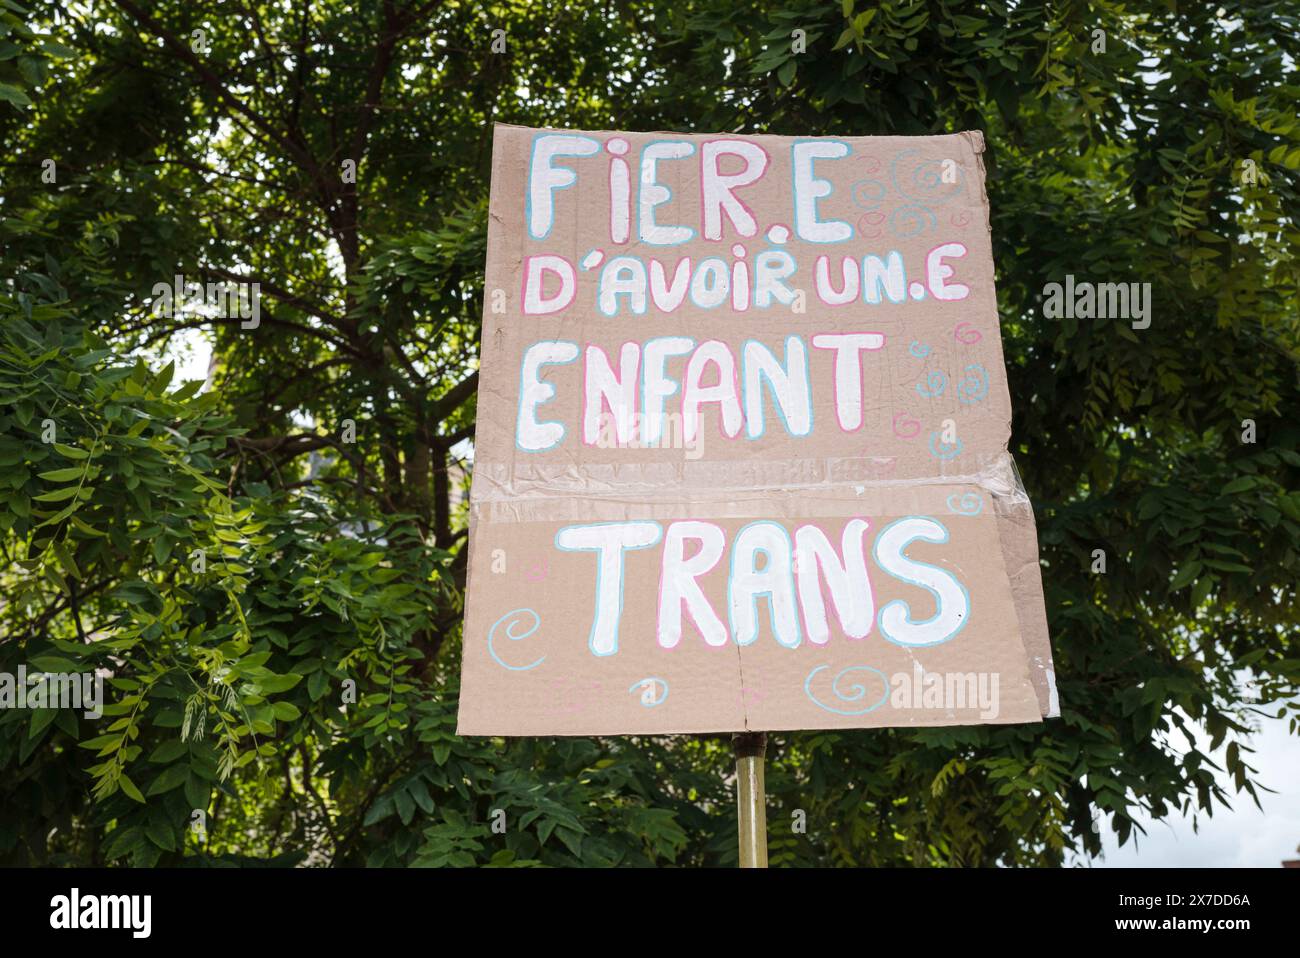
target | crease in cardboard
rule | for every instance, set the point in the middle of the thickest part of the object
(512, 481)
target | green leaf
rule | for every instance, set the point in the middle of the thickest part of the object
(1202, 590)
(278, 683)
(187, 390)
(572, 840)
(169, 752)
(71, 452)
(129, 788)
(405, 806)
(14, 95)
(54, 663)
(64, 555)
(173, 776)
(86, 528)
(197, 792)
(162, 835)
(1223, 566)
(58, 495)
(1185, 575)
(56, 49)
(41, 718)
(163, 378)
(381, 809)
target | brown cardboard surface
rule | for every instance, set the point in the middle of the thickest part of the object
(923, 446)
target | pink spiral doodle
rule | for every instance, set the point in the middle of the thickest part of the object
(909, 429)
(871, 164)
(961, 218)
(963, 333)
(869, 225)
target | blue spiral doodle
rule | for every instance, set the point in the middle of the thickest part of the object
(911, 220)
(640, 683)
(970, 504)
(926, 180)
(943, 450)
(975, 386)
(918, 350)
(868, 194)
(537, 620)
(855, 692)
(934, 384)
(924, 189)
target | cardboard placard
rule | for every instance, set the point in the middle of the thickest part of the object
(741, 458)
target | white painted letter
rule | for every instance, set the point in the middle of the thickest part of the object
(531, 435)
(808, 189)
(544, 178)
(694, 395)
(936, 271)
(847, 580)
(678, 586)
(789, 384)
(747, 583)
(716, 187)
(951, 599)
(536, 302)
(609, 540)
(655, 384)
(653, 193)
(848, 372)
(603, 389)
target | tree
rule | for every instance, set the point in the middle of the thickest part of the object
(297, 685)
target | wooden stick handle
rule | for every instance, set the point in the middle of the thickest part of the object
(751, 748)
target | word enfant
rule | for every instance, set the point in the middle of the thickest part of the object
(637, 394)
